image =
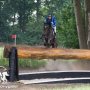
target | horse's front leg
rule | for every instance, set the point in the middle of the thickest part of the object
(46, 42)
(54, 43)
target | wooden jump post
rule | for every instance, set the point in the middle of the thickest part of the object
(14, 53)
(13, 65)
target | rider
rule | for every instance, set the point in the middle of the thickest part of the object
(51, 20)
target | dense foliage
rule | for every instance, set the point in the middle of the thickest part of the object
(25, 19)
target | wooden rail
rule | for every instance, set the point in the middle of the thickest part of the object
(50, 53)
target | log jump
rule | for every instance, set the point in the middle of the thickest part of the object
(13, 53)
(49, 53)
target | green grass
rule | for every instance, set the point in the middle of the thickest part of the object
(4, 62)
(24, 63)
(76, 87)
(31, 63)
(1, 52)
(65, 87)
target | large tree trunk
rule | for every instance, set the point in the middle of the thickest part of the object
(49, 53)
(87, 2)
(80, 26)
(86, 19)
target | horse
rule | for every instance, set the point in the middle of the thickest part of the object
(49, 36)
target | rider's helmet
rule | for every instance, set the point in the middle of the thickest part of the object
(49, 16)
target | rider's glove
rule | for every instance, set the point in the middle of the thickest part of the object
(52, 23)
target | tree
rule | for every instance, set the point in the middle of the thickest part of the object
(32, 24)
(87, 12)
(79, 22)
(66, 26)
(4, 18)
(24, 9)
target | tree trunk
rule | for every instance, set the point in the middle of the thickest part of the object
(49, 53)
(86, 19)
(80, 27)
(87, 2)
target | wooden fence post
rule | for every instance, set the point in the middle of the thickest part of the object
(13, 65)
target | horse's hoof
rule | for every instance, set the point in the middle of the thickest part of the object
(44, 44)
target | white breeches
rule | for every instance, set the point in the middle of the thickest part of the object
(54, 29)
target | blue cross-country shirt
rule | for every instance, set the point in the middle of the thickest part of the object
(52, 21)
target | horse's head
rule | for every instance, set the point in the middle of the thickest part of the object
(47, 28)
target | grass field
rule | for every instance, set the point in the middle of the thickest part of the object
(76, 87)
(59, 87)
(55, 87)
(23, 63)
